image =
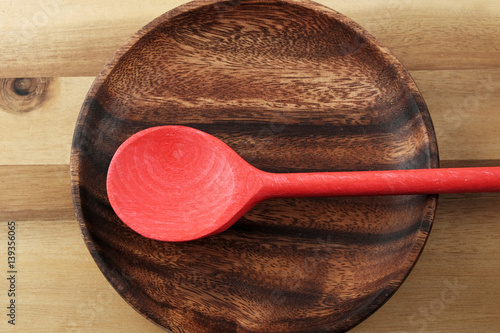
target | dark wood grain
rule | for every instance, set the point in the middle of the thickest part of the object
(292, 87)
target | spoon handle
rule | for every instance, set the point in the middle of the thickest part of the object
(391, 182)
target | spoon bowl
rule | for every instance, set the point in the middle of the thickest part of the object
(175, 183)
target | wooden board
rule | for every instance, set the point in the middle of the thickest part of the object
(462, 104)
(68, 38)
(451, 49)
(62, 290)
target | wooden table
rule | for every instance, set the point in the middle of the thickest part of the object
(451, 48)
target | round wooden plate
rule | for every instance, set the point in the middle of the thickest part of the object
(292, 86)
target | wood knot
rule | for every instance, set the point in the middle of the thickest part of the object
(21, 95)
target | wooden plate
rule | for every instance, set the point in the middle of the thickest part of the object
(292, 86)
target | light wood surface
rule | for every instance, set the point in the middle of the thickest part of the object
(451, 48)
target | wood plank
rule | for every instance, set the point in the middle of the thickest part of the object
(60, 288)
(427, 34)
(469, 163)
(454, 286)
(464, 106)
(70, 38)
(43, 135)
(41, 191)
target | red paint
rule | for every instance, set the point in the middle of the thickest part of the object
(176, 183)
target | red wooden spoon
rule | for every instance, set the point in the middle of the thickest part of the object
(176, 183)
